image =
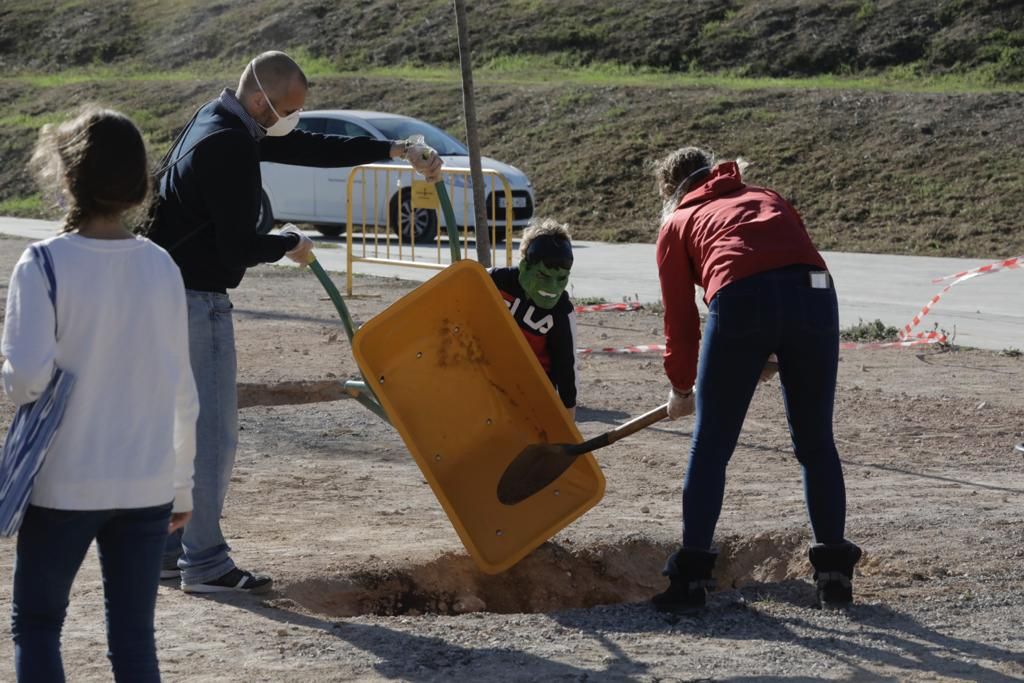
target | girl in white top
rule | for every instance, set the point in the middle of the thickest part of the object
(119, 469)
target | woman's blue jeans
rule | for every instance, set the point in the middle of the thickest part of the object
(773, 312)
(51, 547)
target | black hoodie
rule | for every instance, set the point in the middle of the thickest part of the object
(209, 199)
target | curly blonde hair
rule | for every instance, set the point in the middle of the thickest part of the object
(96, 163)
(673, 170)
(548, 227)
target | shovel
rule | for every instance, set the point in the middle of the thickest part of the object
(540, 464)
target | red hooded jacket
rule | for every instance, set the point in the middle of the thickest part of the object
(721, 232)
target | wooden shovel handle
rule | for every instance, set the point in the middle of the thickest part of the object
(623, 430)
(638, 423)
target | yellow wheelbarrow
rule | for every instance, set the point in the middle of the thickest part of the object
(449, 368)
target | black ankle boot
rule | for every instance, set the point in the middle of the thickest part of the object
(833, 572)
(689, 573)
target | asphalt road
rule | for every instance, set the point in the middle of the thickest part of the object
(985, 312)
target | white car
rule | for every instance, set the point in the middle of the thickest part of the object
(317, 195)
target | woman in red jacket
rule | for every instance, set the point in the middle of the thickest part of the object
(768, 291)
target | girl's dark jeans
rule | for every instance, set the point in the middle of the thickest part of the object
(51, 547)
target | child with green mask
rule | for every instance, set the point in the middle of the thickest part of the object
(536, 297)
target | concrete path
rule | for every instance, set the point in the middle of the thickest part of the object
(986, 312)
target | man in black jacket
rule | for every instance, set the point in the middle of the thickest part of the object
(207, 209)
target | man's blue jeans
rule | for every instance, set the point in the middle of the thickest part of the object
(201, 550)
(773, 312)
(51, 547)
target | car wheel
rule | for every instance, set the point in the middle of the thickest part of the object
(265, 221)
(330, 230)
(419, 228)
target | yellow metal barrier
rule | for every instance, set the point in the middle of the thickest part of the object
(376, 210)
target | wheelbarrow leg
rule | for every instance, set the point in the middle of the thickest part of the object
(360, 392)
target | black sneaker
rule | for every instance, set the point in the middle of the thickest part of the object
(169, 570)
(236, 580)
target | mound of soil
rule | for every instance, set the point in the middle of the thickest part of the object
(553, 577)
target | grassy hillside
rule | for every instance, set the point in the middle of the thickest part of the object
(893, 126)
(752, 37)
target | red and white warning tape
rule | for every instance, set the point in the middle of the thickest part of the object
(1015, 262)
(907, 337)
(596, 308)
(920, 339)
(642, 348)
(958, 278)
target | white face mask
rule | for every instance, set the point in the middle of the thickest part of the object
(284, 124)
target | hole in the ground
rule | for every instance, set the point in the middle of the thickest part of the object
(552, 578)
(290, 393)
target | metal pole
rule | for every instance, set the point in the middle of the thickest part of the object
(483, 236)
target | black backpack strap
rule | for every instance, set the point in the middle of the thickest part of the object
(166, 164)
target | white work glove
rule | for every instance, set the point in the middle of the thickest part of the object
(680, 404)
(302, 253)
(771, 368)
(423, 158)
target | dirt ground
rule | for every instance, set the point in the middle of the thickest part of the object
(372, 583)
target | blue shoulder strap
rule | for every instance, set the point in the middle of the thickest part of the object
(42, 257)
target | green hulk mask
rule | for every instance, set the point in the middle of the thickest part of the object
(542, 283)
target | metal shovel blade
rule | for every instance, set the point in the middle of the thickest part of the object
(538, 465)
(535, 467)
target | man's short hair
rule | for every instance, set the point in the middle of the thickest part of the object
(276, 72)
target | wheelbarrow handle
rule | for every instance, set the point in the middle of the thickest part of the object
(335, 295)
(449, 219)
(361, 391)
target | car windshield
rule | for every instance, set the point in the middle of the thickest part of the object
(400, 129)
